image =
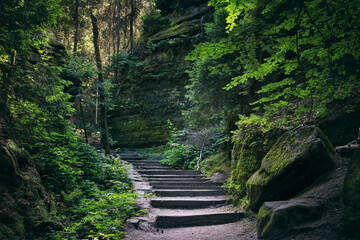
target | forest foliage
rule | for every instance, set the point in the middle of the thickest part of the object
(266, 66)
(42, 88)
(259, 67)
(299, 59)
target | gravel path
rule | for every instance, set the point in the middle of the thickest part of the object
(244, 229)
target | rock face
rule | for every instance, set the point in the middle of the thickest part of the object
(277, 218)
(351, 196)
(298, 158)
(157, 93)
(25, 205)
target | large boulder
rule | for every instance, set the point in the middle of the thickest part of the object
(278, 218)
(351, 196)
(298, 158)
(247, 153)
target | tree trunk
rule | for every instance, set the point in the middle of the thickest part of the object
(103, 113)
(118, 42)
(76, 19)
(83, 119)
(132, 19)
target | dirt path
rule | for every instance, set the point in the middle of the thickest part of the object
(243, 229)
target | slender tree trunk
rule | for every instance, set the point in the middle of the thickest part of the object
(132, 19)
(200, 157)
(76, 18)
(125, 24)
(118, 43)
(103, 113)
(83, 122)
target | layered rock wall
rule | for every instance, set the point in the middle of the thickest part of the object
(159, 90)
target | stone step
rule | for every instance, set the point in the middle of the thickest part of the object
(189, 203)
(151, 167)
(132, 158)
(169, 172)
(168, 221)
(147, 164)
(143, 161)
(203, 183)
(191, 193)
(172, 177)
(183, 187)
(126, 154)
(178, 179)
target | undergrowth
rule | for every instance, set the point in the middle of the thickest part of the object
(93, 192)
(216, 163)
(187, 148)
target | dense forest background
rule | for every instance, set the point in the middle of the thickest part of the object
(209, 85)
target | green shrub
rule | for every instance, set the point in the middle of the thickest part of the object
(166, 6)
(98, 210)
(186, 147)
(153, 22)
(181, 156)
(216, 163)
(94, 192)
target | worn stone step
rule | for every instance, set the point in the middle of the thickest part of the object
(143, 163)
(175, 179)
(151, 167)
(169, 172)
(168, 221)
(179, 187)
(136, 161)
(188, 192)
(198, 183)
(188, 203)
(131, 157)
(172, 177)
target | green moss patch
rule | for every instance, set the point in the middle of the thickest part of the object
(247, 154)
(298, 158)
(351, 197)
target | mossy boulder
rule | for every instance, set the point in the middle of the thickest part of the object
(351, 197)
(247, 153)
(298, 158)
(277, 218)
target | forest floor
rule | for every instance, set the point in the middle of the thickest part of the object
(326, 189)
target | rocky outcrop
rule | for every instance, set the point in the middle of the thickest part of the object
(351, 197)
(247, 153)
(298, 158)
(157, 91)
(25, 206)
(278, 218)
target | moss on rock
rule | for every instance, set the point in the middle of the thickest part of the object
(24, 204)
(277, 218)
(247, 154)
(298, 158)
(153, 90)
(351, 197)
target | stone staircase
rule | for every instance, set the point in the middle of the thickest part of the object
(182, 197)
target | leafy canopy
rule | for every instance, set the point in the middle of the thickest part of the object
(303, 54)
